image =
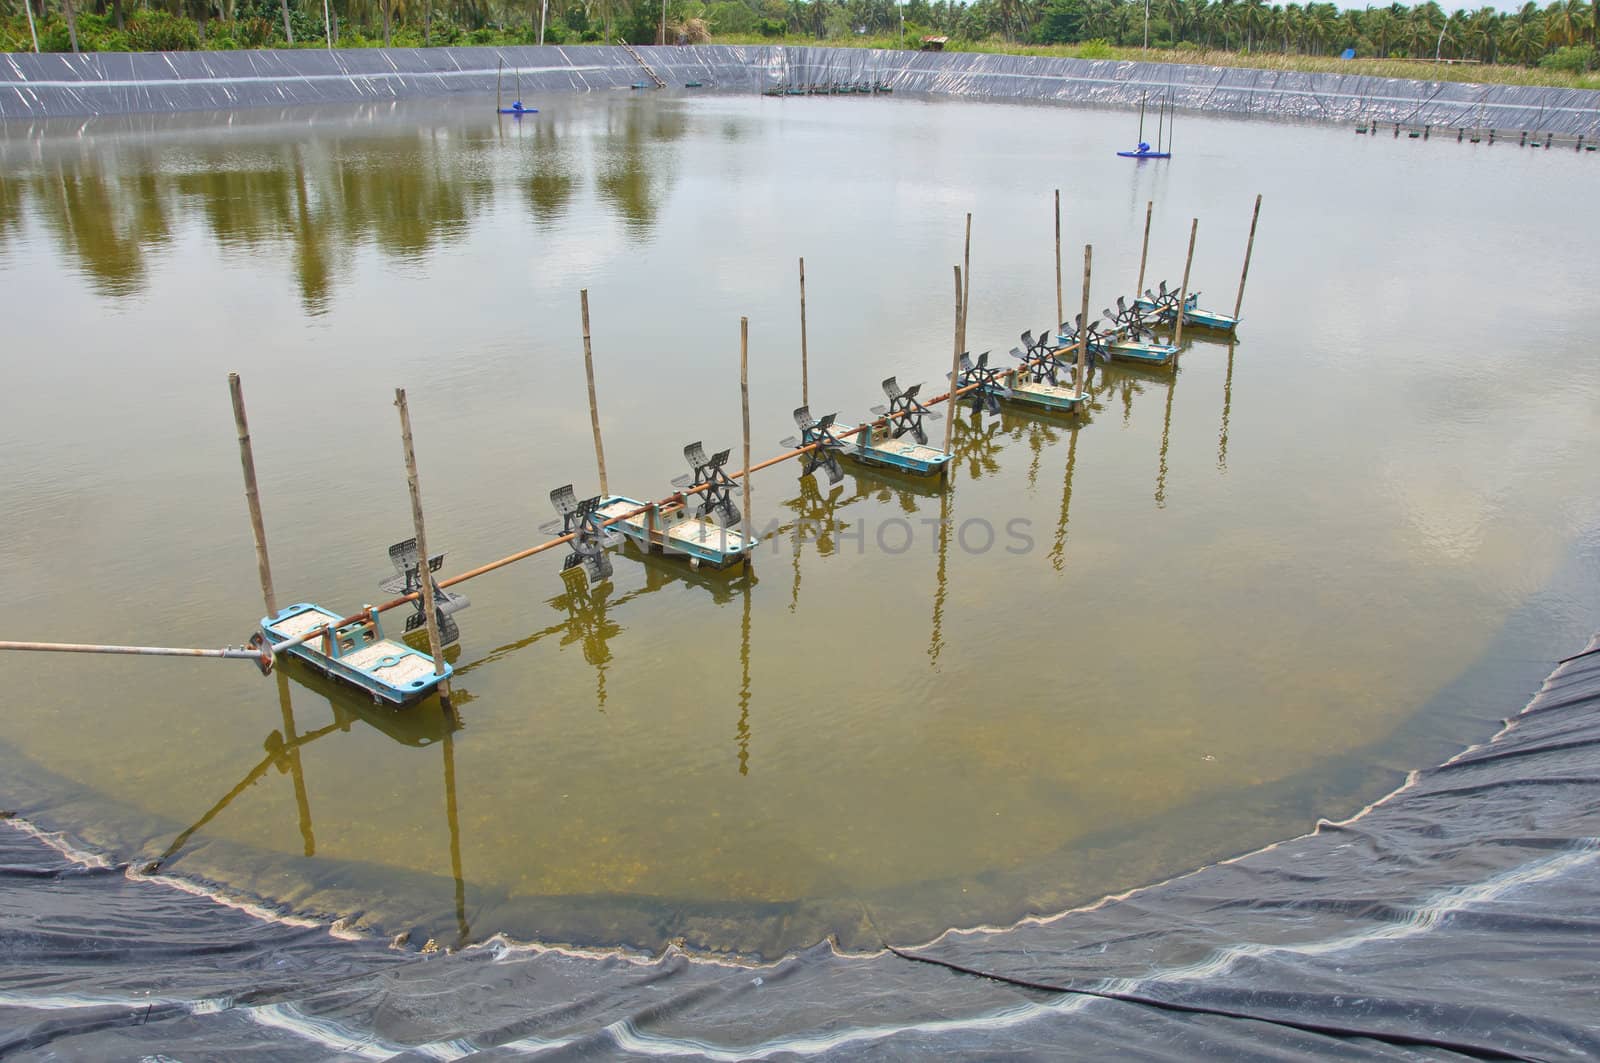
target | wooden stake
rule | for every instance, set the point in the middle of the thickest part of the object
(1183, 296)
(744, 402)
(594, 407)
(252, 496)
(1249, 246)
(1083, 327)
(499, 98)
(955, 369)
(1144, 255)
(428, 613)
(805, 386)
(1060, 312)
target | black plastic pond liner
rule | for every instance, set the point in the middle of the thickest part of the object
(65, 85)
(1457, 919)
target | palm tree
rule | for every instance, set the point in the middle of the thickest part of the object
(1485, 29)
(1523, 38)
(1277, 26)
(1252, 15)
(1380, 29)
(1122, 21)
(1350, 27)
(1097, 18)
(1564, 22)
(1421, 28)
(1317, 25)
(1173, 9)
(1291, 25)
(1451, 34)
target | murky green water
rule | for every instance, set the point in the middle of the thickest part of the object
(1224, 605)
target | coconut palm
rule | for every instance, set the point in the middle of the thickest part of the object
(1252, 16)
(1523, 38)
(1350, 27)
(1316, 26)
(1381, 28)
(1484, 29)
(1290, 28)
(1421, 28)
(1565, 22)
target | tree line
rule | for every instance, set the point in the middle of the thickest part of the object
(1561, 34)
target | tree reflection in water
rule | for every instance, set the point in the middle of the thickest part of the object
(113, 209)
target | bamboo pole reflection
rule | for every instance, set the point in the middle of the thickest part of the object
(1227, 403)
(415, 727)
(743, 734)
(936, 638)
(302, 802)
(453, 822)
(277, 748)
(1058, 549)
(1166, 435)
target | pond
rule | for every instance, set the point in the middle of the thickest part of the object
(1233, 599)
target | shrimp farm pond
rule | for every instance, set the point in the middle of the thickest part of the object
(1225, 600)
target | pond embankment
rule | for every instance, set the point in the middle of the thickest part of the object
(1444, 919)
(64, 85)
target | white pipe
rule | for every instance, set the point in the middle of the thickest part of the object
(239, 653)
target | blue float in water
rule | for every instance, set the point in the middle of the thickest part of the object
(517, 109)
(1144, 152)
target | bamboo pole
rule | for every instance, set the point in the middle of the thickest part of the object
(1083, 327)
(955, 369)
(423, 576)
(1144, 255)
(1060, 311)
(805, 385)
(499, 98)
(744, 404)
(252, 496)
(1250, 245)
(594, 408)
(1183, 294)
